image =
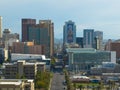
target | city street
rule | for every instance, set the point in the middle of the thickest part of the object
(57, 81)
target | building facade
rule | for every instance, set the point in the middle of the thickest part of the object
(88, 35)
(9, 38)
(3, 55)
(79, 41)
(8, 35)
(85, 58)
(106, 68)
(107, 45)
(69, 32)
(32, 58)
(16, 84)
(25, 25)
(0, 27)
(22, 68)
(49, 48)
(41, 34)
(98, 35)
(115, 46)
(27, 48)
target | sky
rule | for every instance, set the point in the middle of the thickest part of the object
(100, 15)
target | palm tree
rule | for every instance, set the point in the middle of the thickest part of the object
(93, 87)
(80, 87)
(107, 88)
(98, 87)
(110, 84)
(113, 85)
(74, 84)
(87, 87)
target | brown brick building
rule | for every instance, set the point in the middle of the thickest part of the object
(25, 25)
(115, 46)
(27, 48)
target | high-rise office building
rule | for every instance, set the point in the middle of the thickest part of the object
(0, 27)
(25, 25)
(98, 36)
(50, 27)
(8, 35)
(41, 34)
(88, 38)
(69, 32)
(115, 46)
(79, 41)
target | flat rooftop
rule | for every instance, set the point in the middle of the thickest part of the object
(10, 82)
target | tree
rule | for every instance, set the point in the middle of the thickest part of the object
(40, 84)
(80, 87)
(74, 84)
(42, 80)
(53, 61)
(98, 87)
(87, 87)
(17, 76)
(23, 77)
(111, 84)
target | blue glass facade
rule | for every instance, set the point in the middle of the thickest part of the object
(69, 32)
(88, 38)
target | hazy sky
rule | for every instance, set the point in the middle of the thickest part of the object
(102, 15)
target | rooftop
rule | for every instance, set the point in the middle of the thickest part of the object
(10, 83)
(13, 81)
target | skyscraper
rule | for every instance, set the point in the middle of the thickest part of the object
(50, 29)
(88, 38)
(98, 35)
(0, 27)
(25, 25)
(69, 32)
(42, 34)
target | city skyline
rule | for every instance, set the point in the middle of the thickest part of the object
(100, 15)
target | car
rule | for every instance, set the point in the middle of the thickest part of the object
(64, 88)
(64, 82)
(61, 73)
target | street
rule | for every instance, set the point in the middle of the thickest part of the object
(57, 81)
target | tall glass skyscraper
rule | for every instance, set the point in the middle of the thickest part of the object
(0, 27)
(88, 38)
(69, 32)
(41, 34)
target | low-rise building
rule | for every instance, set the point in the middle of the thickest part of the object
(22, 68)
(16, 84)
(106, 67)
(27, 48)
(80, 79)
(82, 59)
(31, 58)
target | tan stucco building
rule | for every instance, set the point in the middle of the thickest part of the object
(16, 84)
(22, 68)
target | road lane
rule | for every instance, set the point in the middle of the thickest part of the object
(57, 81)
